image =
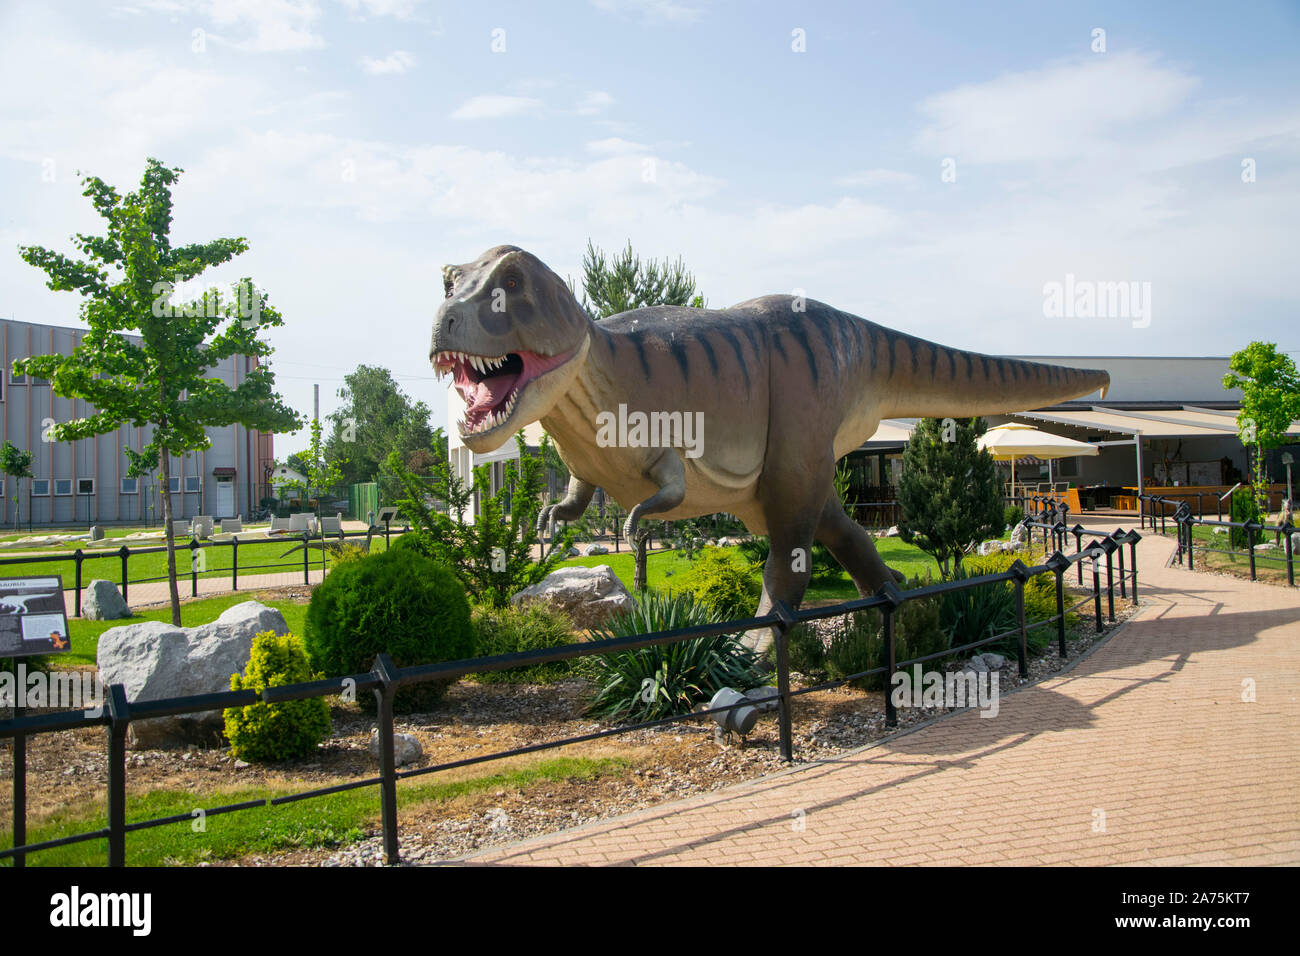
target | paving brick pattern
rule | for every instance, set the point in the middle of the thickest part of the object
(1144, 753)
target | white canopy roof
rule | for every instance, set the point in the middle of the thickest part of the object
(1014, 440)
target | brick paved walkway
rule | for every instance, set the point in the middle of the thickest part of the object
(1143, 753)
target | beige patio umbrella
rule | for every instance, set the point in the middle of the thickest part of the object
(1013, 440)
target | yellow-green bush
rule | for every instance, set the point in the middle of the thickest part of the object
(265, 732)
(723, 583)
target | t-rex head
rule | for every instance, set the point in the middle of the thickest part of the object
(512, 337)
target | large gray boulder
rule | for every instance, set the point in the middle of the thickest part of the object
(154, 660)
(103, 602)
(588, 595)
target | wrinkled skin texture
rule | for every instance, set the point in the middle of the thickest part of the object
(783, 388)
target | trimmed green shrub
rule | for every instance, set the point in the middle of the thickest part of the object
(396, 601)
(669, 679)
(265, 732)
(1244, 508)
(1012, 515)
(722, 583)
(991, 609)
(531, 627)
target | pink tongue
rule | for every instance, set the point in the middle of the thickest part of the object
(492, 391)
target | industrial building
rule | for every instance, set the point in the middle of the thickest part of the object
(84, 482)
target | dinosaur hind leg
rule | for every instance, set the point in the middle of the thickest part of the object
(853, 548)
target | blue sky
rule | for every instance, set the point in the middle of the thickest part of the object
(360, 144)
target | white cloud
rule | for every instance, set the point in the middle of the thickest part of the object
(1064, 111)
(494, 106)
(399, 61)
(652, 11)
(278, 26)
(615, 146)
(397, 9)
(594, 102)
(870, 178)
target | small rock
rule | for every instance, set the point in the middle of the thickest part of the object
(406, 748)
(241, 764)
(596, 549)
(103, 602)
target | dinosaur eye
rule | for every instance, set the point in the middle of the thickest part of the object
(511, 284)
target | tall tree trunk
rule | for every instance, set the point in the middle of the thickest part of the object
(171, 539)
(639, 575)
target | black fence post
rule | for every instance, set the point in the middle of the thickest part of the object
(783, 677)
(1096, 587)
(1133, 539)
(1077, 531)
(890, 591)
(1250, 527)
(119, 713)
(234, 562)
(1120, 537)
(1022, 638)
(125, 552)
(1287, 530)
(1191, 557)
(386, 672)
(1109, 547)
(76, 604)
(194, 567)
(306, 559)
(1058, 562)
(20, 786)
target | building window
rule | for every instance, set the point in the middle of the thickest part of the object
(191, 483)
(40, 487)
(15, 379)
(130, 486)
(85, 486)
(62, 486)
(173, 485)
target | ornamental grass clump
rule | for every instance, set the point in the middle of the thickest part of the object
(668, 679)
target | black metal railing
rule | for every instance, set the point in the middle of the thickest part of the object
(385, 679)
(1161, 509)
(310, 542)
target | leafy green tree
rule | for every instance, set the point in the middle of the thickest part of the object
(127, 280)
(16, 464)
(492, 555)
(376, 418)
(949, 493)
(322, 473)
(1270, 402)
(625, 282)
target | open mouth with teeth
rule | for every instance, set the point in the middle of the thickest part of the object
(491, 385)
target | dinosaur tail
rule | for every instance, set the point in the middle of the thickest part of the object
(932, 381)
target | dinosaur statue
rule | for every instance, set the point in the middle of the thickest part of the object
(780, 388)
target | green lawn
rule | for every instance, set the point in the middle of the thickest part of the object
(663, 566)
(260, 557)
(85, 634)
(320, 822)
